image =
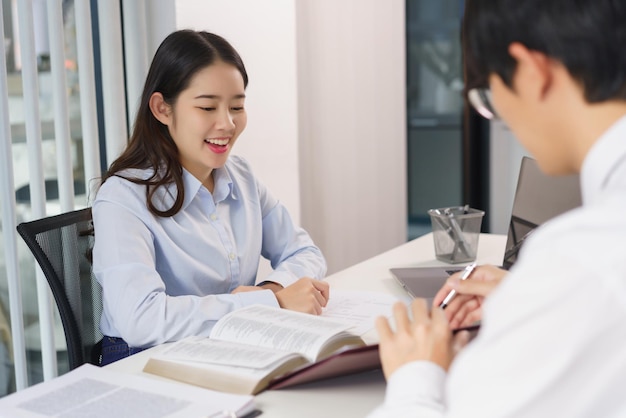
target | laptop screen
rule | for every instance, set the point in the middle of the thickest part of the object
(538, 198)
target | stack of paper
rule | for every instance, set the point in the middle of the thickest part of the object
(90, 391)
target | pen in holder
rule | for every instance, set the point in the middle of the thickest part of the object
(455, 233)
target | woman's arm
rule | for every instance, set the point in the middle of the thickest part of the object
(140, 305)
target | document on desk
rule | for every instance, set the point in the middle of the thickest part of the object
(358, 308)
(94, 392)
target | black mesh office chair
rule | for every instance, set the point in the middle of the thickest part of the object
(62, 246)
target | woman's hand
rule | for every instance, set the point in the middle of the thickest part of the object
(466, 307)
(306, 295)
(427, 337)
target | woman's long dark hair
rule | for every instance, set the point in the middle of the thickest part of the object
(177, 60)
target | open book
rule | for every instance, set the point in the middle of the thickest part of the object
(260, 347)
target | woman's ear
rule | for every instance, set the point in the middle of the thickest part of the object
(160, 109)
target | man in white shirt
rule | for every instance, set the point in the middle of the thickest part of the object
(552, 341)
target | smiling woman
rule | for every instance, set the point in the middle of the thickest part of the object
(180, 223)
(206, 119)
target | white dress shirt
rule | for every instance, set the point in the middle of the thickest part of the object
(165, 278)
(553, 336)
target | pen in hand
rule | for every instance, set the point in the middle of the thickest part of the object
(466, 273)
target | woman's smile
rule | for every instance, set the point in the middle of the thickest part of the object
(218, 145)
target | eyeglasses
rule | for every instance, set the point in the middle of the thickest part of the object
(480, 99)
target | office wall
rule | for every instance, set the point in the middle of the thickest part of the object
(326, 106)
(263, 32)
(353, 126)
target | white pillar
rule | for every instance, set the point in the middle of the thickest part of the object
(86, 80)
(135, 53)
(161, 22)
(111, 54)
(65, 175)
(35, 167)
(352, 126)
(7, 202)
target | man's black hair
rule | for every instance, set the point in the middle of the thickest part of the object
(587, 36)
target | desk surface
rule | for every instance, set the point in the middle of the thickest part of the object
(358, 394)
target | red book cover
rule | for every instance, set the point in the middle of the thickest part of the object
(339, 364)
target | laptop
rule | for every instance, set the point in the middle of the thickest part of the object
(538, 198)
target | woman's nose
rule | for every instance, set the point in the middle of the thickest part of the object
(225, 120)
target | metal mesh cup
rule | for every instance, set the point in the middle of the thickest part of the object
(455, 233)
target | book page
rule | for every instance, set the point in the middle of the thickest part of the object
(225, 353)
(94, 392)
(278, 329)
(358, 308)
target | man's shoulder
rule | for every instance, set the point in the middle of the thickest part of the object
(588, 238)
(585, 224)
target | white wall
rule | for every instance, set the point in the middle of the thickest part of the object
(353, 126)
(263, 32)
(327, 112)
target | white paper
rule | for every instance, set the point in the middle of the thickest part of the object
(94, 392)
(225, 353)
(277, 329)
(358, 308)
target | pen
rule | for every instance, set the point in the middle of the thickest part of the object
(456, 233)
(466, 273)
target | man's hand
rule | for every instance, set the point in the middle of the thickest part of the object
(466, 307)
(306, 295)
(427, 337)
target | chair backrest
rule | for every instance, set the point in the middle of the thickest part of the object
(62, 246)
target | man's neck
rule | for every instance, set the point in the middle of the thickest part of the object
(590, 123)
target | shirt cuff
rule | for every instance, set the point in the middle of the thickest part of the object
(282, 278)
(262, 297)
(418, 382)
(264, 282)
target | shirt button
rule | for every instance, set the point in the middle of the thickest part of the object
(213, 217)
(232, 256)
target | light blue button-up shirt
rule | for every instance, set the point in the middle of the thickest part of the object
(165, 278)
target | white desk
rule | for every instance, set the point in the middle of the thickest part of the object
(355, 395)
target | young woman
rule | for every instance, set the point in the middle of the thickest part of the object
(180, 224)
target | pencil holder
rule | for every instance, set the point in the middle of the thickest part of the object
(455, 233)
